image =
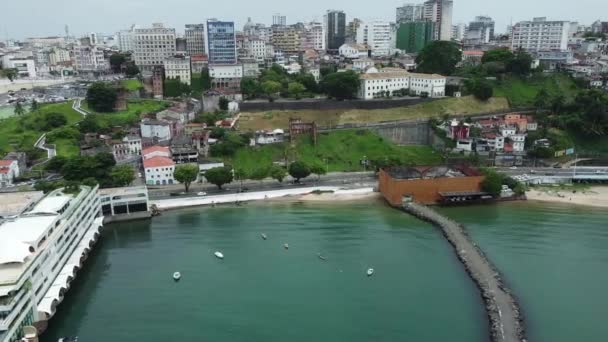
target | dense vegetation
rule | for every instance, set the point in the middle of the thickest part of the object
(101, 97)
(439, 57)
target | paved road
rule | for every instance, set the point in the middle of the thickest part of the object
(558, 172)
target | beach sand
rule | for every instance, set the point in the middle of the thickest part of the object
(596, 196)
(332, 197)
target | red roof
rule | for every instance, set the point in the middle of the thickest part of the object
(152, 149)
(508, 147)
(4, 170)
(158, 162)
(473, 53)
(6, 162)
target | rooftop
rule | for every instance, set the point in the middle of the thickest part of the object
(430, 172)
(158, 162)
(153, 149)
(14, 203)
(50, 204)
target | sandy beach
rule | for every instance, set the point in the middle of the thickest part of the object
(340, 195)
(595, 196)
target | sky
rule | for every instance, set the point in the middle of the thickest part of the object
(29, 18)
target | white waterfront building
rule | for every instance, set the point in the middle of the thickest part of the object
(41, 249)
(379, 82)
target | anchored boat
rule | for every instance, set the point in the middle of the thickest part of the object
(219, 255)
(370, 271)
(177, 276)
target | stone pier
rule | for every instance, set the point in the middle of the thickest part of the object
(506, 324)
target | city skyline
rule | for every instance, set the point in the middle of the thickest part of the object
(50, 19)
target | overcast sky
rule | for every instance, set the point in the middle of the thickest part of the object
(27, 18)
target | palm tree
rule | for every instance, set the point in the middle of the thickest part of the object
(19, 109)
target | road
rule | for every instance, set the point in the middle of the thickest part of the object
(557, 172)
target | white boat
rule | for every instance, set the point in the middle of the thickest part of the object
(219, 255)
(177, 276)
(322, 257)
(286, 246)
(370, 271)
(264, 236)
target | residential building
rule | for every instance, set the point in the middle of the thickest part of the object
(361, 64)
(540, 35)
(126, 40)
(459, 31)
(286, 39)
(412, 37)
(314, 36)
(46, 41)
(156, 151)
(353, 51)
(410, 12)
(9, 170)
(127, 147)
(26, 67)
(440, 13)
(178, 67)
(89, 59)
(58, 56)
(279, 20)
(269, 137)
(184, 150)
(153, 45)
(42, 247)
(251, 67)
(198, 63)
(472, 57)
(20, 157)
(226, 77)
(159, 171)
(195, 39)
(221, 42)
(181, 46)
(351, 30)
(554, 59)
(335, 29)
(480, 31)
(377, 36)
(377, 83)
(256, 48)
(160, 130)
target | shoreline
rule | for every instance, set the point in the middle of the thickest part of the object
(594, 196)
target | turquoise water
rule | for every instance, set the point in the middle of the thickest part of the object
(262, 292)
(554, 258)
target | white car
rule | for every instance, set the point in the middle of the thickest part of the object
(513, 168)
(202, 193)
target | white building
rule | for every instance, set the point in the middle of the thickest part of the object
(41, 250)
(226, 71)
(155, 129)
(26, 67)
(374, 84)
(159, 171)
(410, 12)
(195, 39)
(9, 170)
(128, 147)
(89, 58)
(58, 56)
(353, 51)
(269, 137)
(540, 34)
(439, 12)
(519, 142)
(178, 67)
(377, 36)
(508, 131)
(256, 48)
(153, 45)
(314, 36)
(126, 40)
(459, 31)
(361, 64)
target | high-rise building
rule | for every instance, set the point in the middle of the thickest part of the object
(221, 42)
(153, 45)
(410, 12)
(351, 30)
(440, 13)
(377, 36)
(286, 38)
(314, 36)
(459, 31)
(279, 20)
(414, 36)
(126, 40)
(540, 35)
(335, 29)
(480, 31)
(195, 39)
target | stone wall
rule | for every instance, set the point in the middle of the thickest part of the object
(324, 104)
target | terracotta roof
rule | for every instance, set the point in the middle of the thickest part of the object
(4, 170)
(153, 149)
(158, 162)
(6, 162)
(473, 53)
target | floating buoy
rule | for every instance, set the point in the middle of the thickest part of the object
(286, 246)
(370, 271)
(177, 276)
(264, 236)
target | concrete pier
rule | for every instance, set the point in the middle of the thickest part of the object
(506, 323)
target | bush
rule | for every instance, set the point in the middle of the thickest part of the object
(101, 97)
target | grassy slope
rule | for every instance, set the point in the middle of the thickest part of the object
(521, 93)
(135, 108)
(22, 132)
(342, 149)
(132, 85)
(280, 119)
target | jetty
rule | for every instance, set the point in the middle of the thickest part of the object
(506, 323)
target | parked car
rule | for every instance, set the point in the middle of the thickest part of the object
(202, 193)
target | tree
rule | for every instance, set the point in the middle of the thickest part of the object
(90, 181)
(174, 87)
(480, 88)
(557, 103)
(219, 176)
(541, 101)
(439, 57)
(205, 79)
(223, 103)
(271, 88)
(308, 81)
(278, 173)
(217, 133)
(502, 55)
(34, 106)
(10, 73)
(295, 89)
(341, 85)
(116, 62)
(186, 174)
(260, 173)
(122, 175)
(54, 120)
(492, 183)
(318, 169)
(56, 163)
(521, 64)
(250, 87)
(101, 97)
(298, 170)
(19, 109)
(132, 70)
(88, 124)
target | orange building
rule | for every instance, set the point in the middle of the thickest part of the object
(428, 185)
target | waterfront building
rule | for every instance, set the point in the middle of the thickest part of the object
(127, 203)
(41, 249)
(335, 29)
(412, 37)
(410, 12)
(159, 171)
(540, 35)
(178, 67)
(153, 45)
(195, 39)
(221, 42)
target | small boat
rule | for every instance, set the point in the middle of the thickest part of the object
(264, 236)
(286, 246)
(322, 257)
(370, 271)
(177, 276)
(68, 339)
(219, 255)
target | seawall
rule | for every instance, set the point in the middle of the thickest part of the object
(506, 322)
